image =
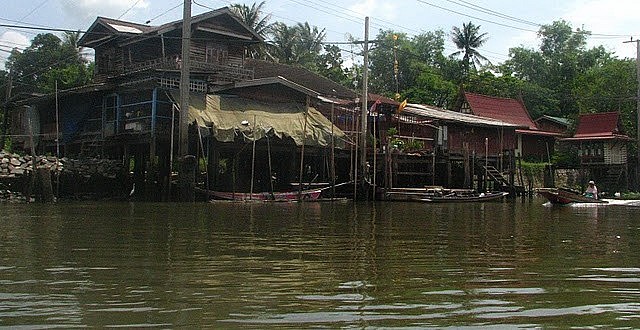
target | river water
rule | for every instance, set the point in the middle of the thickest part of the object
(313, 265)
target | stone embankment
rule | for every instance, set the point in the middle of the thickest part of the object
(18, 171)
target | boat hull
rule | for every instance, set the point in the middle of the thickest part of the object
(564, 197)
(467, 199)
(442, 195)
(267, 196)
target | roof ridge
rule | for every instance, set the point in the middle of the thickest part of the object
(492, 97)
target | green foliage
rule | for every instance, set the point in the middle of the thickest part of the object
(566, 158)
(468, 40)
(298, 44)
(413, 145)
(49, 59)
(630, 195)
(416, 58)
(532, 169)
(255, 18)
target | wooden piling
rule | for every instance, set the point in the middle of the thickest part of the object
(44, 188)
(187, 181)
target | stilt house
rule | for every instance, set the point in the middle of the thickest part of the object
(131, 110)
(602, 149)
(533, 143)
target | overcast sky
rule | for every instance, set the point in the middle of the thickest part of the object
(508, 23)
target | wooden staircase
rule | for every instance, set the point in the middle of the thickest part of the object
(496, 176)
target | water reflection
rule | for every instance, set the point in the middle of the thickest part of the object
(292, 265)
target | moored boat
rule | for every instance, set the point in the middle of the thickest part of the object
(313, 194)
(441, 195)
(563, 196)
(476, 197)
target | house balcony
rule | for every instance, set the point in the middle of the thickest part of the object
(230, 70)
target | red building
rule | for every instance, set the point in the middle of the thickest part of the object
(532, 142)
(602, 148)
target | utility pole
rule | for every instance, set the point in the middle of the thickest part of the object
(183, 145)
(637, 111)
(187, 174)
(364, 107)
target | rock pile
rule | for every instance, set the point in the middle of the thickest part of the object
(14, 166)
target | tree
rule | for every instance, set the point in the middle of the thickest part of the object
(330, 65)
(397, 63)
(298, 44)
(48, 59)
(556, 66)
(468, 40)
(254, 18)
(609, 87)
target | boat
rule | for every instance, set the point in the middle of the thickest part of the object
(312, 194)
(441, 195)
(564, 196)
(476, 197)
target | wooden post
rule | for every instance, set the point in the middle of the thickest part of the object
(189, 165)
(154, 118)
(333, 155)
(253, 156)
(187, 179)
(365, 94)
(5, 117)
(44, 191)
(183, 146)
(304, 135)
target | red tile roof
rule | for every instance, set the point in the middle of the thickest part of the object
(508, 110)
(599, 126)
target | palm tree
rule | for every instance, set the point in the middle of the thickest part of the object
(70, 43)
(298, 44)
(468, 39)
(254, 18)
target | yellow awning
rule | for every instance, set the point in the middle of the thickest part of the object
(231, 117)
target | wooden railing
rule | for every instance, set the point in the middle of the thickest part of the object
(233, 68)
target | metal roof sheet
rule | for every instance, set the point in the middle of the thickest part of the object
(503, 109)
(453, 116)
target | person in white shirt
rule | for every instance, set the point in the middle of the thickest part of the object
(592, 190)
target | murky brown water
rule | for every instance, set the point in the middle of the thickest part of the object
(230, 265)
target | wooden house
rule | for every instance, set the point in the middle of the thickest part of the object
(533, 143)
(131, 110)
(467, 148)
(602, 148)
(554, 124)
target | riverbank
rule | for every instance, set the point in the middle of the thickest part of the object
(24, 178)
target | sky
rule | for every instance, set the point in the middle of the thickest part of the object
(507, 23)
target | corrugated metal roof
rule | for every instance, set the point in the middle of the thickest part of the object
(503, 109)
(453, 116)
(301, 76)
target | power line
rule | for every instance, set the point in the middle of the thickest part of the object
(126, 11)
(34, 10)
(474, 17)
(164, 12)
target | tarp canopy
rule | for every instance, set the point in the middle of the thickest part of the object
(231, 117)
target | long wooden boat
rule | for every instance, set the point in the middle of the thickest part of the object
(441, 195)
(476, 197)
(313, 194)
(566, 196)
